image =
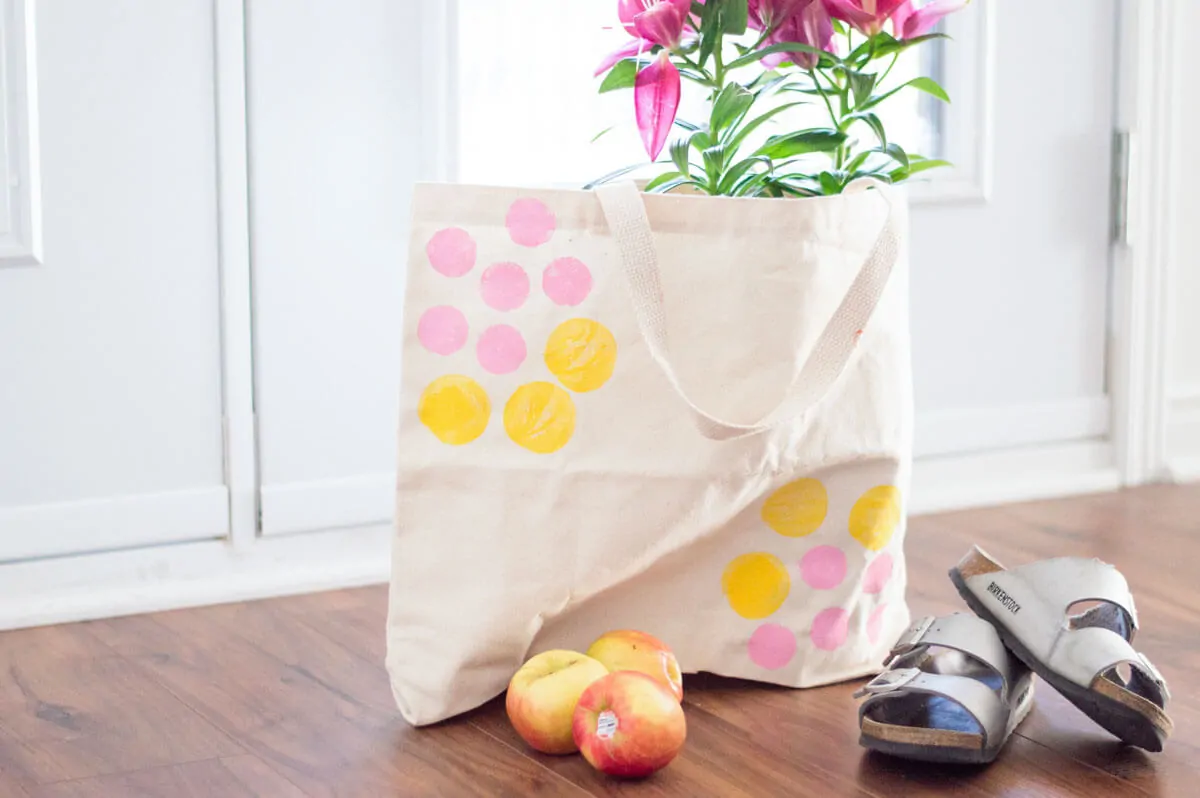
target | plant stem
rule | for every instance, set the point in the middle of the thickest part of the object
(888, 71)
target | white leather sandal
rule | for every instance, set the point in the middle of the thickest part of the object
(951, 693)
(1088, 657)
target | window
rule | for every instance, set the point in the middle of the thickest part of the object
(528, 108)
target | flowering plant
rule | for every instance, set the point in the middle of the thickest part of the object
(755, 60)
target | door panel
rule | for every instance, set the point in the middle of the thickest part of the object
(1010, 296)
(333, 154)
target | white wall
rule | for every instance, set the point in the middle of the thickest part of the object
(1183, 437)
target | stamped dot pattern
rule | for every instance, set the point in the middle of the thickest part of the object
(757, 585)
(581, 353)
(504, 286)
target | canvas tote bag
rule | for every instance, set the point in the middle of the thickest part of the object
(685, 415)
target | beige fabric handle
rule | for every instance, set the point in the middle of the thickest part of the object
(630, 228)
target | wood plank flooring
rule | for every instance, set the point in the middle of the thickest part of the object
(288, 697)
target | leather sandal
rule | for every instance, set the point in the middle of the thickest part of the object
(950, 692)
(1088, 656)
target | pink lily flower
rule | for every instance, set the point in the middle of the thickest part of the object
(650, 22)
(765, 14)
(656, 95)
(809, 24)
(867, 16)
(909, 22)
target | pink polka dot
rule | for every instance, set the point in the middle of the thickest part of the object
(875, 623)
(530, 222)
(567, 281)
(830, 628)
(451, 252)
(442, 330)
(878, 574)
(824, 567)
(772, 646)
(505, 286)
(501, 349)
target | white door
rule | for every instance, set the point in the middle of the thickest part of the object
(110, 399)
(1010, 249)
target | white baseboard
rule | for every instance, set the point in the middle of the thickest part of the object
(111, 584)
(983, 429)
(1037, 472)
(46, 530)
(327, 504)
(1183, 438)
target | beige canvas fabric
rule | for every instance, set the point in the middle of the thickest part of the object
(686, 415)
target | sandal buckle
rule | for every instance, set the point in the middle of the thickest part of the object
(912, 637)
(888, 681)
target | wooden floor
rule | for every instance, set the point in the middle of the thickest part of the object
(289, 697)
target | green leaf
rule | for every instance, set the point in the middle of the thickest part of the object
(861, 85)
(737, 171)
(859, 160)
(916, 167)
(623, 75)
(758, 121)
(731, 105)
(596, 137)
(663, 188)
(785, 47)
(614, 175)
(710, 29)
(665, 177)
(898, 154)
(829, 183)
(679, 154)
(870, 119)
(801, 142)
(891, 46)
(930, 86)
(734, 16)
(688, 126)
(924, 84)
(714, 162)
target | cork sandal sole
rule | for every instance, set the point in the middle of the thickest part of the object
(1130, 717)
(941, 745)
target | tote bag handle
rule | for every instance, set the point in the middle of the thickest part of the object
(630, 228)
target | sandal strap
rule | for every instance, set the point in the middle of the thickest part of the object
(969, 634)
(1082, 655)
(1061, 582)
(972, 695)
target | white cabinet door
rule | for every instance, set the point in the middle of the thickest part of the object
(110, 400)
(333, 155)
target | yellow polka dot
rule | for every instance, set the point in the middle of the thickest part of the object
(540, 416)
(455, 409)
(756, 584)
(581, 353)
(875, 516)
(797, 509)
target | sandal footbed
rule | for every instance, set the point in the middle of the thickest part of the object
(1131, 718)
